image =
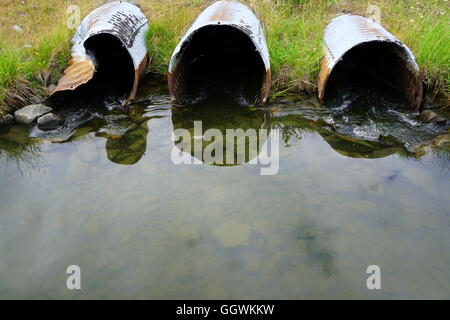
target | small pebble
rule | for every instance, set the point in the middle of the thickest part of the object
(17, 28)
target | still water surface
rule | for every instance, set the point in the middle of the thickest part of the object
(102, 193)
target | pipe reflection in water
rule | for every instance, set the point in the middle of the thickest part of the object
(294, 126)
(128, 148)
(126, 134)
(238, 134)
(381, 131)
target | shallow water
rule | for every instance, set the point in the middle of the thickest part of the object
(103, 193)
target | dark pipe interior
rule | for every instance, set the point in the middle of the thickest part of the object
(114, 76)
(115, 69)
(217, 61)
(378, 66)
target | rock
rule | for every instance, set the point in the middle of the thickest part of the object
(440, 121)
(30, 113)
(233, 234)
(6, 120)
(51, 88)
(36, 100)
(441, 140)
(429, 116)
(49, 121)
(27, 46)
(419, 150)
(17, 28)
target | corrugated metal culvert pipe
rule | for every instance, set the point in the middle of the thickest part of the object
(361, 53)
(109, 51)
(223, 53)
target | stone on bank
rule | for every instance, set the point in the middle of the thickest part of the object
(429, 116)
(49, 121)
(30, 113)
(6, 120)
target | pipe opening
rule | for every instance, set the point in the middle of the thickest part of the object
(219, 61)
(379, 66)
(115, 70)
(114, 73)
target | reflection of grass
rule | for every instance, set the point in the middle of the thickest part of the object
(442, 159)
(18, 153)
(293, 128)
(293, 29)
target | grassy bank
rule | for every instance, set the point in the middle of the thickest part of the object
(294, 32)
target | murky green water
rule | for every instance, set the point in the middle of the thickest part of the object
(103, 193)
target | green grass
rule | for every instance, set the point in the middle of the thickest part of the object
(160, 43)
(35, 66)
(294, 45)
(28, 62)
(294, 31)
(424, 27)
(10, 66)
(433, 53)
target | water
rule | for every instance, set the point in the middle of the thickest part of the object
(103, 193)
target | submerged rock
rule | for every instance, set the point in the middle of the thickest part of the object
(30, 113)
(6, 120)
(49, 121)
(441, 140)
(429, 116)
(51, 87)
(233, 234)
